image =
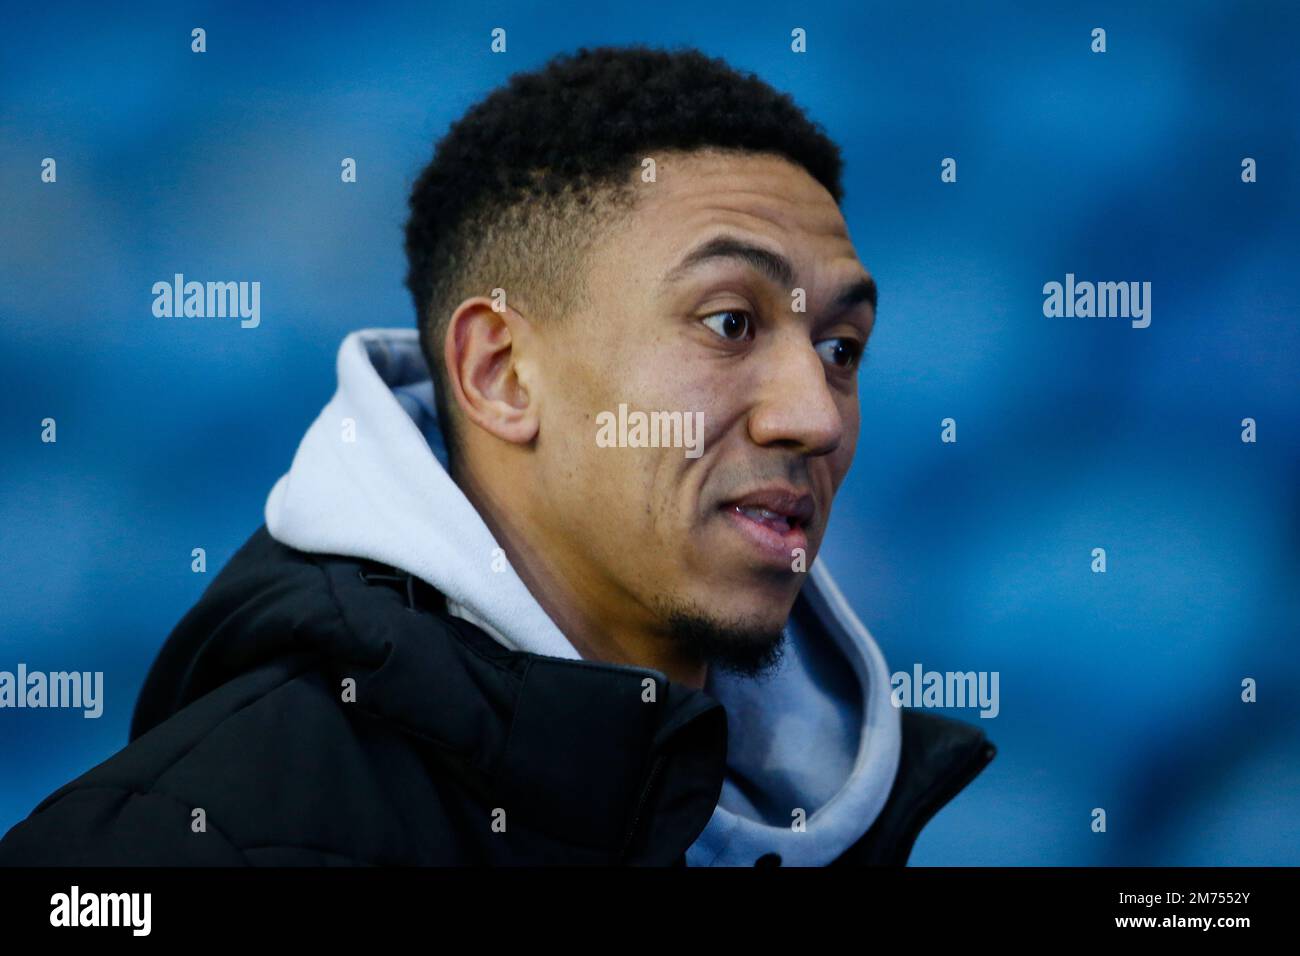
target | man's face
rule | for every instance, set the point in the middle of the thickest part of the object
(694, 309)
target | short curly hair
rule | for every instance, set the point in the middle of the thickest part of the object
(522, 184)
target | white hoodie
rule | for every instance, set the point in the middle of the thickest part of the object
(812, 749)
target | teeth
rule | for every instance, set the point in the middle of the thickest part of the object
(766, 517)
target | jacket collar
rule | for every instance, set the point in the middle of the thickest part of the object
(660, 747)
(650, 754)
(940, 758)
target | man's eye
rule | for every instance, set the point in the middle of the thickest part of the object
(734, 324)
(842, 353)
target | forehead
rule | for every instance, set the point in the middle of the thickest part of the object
(699, 194)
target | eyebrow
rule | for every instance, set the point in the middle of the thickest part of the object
(773, 265)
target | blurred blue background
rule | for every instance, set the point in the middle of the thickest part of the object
(1118, 690)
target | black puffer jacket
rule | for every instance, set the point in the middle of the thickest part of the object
(322, 710)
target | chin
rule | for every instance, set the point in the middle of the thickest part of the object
(759, 606)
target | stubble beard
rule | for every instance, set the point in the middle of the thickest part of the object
(741, 646)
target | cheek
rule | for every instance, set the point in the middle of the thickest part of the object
(714, 397)
(849, 446)
(636, 494)
(842, 458)
(602, 488)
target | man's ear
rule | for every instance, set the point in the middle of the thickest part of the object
(482, 352)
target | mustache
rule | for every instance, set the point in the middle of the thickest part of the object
(792, 473)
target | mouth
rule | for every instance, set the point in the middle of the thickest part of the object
(774, 521)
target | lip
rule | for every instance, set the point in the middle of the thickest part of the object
(773, 545)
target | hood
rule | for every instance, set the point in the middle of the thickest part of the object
(816, 743)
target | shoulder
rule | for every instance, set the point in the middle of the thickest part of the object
(245, 745)
(198, 787)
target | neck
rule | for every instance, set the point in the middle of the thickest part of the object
(599, 627)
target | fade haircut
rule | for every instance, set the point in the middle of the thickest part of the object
(524, 183)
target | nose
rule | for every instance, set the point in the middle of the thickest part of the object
(796, 407)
